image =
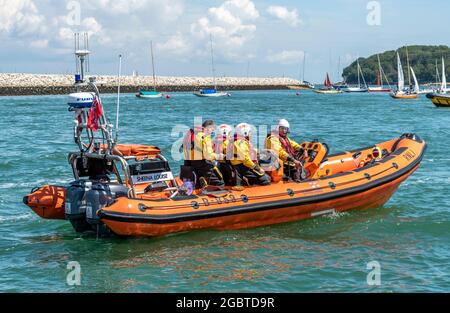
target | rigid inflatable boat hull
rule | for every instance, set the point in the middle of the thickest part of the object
(364, 188)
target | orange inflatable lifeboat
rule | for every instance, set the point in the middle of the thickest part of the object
(148, 201)
(355, 180)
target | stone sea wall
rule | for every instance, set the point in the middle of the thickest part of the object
(41, 84)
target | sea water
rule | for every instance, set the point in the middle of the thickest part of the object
(409, 237)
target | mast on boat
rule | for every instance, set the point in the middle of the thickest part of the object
(304, 64)
(153, 66)
(380, 74)
(444, 79)
(438, 80)
(409, 67)
(359, 69)
(400, 76)
(339, 66)
(212, 62)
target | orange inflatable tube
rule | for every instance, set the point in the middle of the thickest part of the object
(47, 202)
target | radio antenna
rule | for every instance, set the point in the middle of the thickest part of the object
(118, 98)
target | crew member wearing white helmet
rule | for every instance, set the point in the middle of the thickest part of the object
(244, 158)
(223, 138)
(286, 148)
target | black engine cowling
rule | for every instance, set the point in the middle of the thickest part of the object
(84, 198)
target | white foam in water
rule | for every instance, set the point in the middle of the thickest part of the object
(15, 218)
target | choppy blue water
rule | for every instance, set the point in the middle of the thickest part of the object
(409, 236)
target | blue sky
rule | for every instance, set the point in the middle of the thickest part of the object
(272, 36)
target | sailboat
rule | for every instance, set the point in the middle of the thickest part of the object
(441, 98)
(328, 89)
(380, 87)
(400, 92)
(303, 83)
(359, 88)
(211, 92)
(152, 93)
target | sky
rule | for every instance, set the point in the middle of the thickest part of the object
(258, 37)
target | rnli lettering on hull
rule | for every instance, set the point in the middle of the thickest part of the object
(152, 178)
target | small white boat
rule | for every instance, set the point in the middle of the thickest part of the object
(149, 94)
(400, 93)
(440, 98)
(211, 93)
(328, 88)
(144, 94)
(359, 88)
(380, 87)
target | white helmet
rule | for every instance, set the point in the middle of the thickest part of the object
(224, 130)
(243, 130)
(283, 123)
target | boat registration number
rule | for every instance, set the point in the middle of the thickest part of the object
(151, 178)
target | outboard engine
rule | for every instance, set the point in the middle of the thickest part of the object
(75, 206)
(100, 196)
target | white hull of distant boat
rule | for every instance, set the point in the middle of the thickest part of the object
(425, 91)
(155, 96)
(212, 95)
(327, 91)
(379, 89)
(354, 89)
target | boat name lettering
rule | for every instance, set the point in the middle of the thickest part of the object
(409, 154)
(155, 177)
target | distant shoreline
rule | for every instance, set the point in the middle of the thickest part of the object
(42, 84)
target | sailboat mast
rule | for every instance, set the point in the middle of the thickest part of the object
(358, 69)
(339, 66)
(153, 66)
(380, 77)
(409, 68)
(304, 62)
(438, 80)
(212, 62)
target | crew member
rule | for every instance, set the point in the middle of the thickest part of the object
(220, 147)
(200, 156)
(244, 158)
(286, 149)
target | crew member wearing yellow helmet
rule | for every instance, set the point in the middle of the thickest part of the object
(200, 156)
(244, 158)
(285, 147)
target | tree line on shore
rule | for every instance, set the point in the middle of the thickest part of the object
(421, 58)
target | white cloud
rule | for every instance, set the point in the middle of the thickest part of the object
(40, 44)
(20, 17)
(282, 13)
(286, 57)
(230, 24)
(176, 44)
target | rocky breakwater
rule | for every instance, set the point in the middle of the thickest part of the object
(45, 84)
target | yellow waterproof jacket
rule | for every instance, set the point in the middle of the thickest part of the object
(201, 148)
(221, 146)
(242, 153)
(273, 143)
